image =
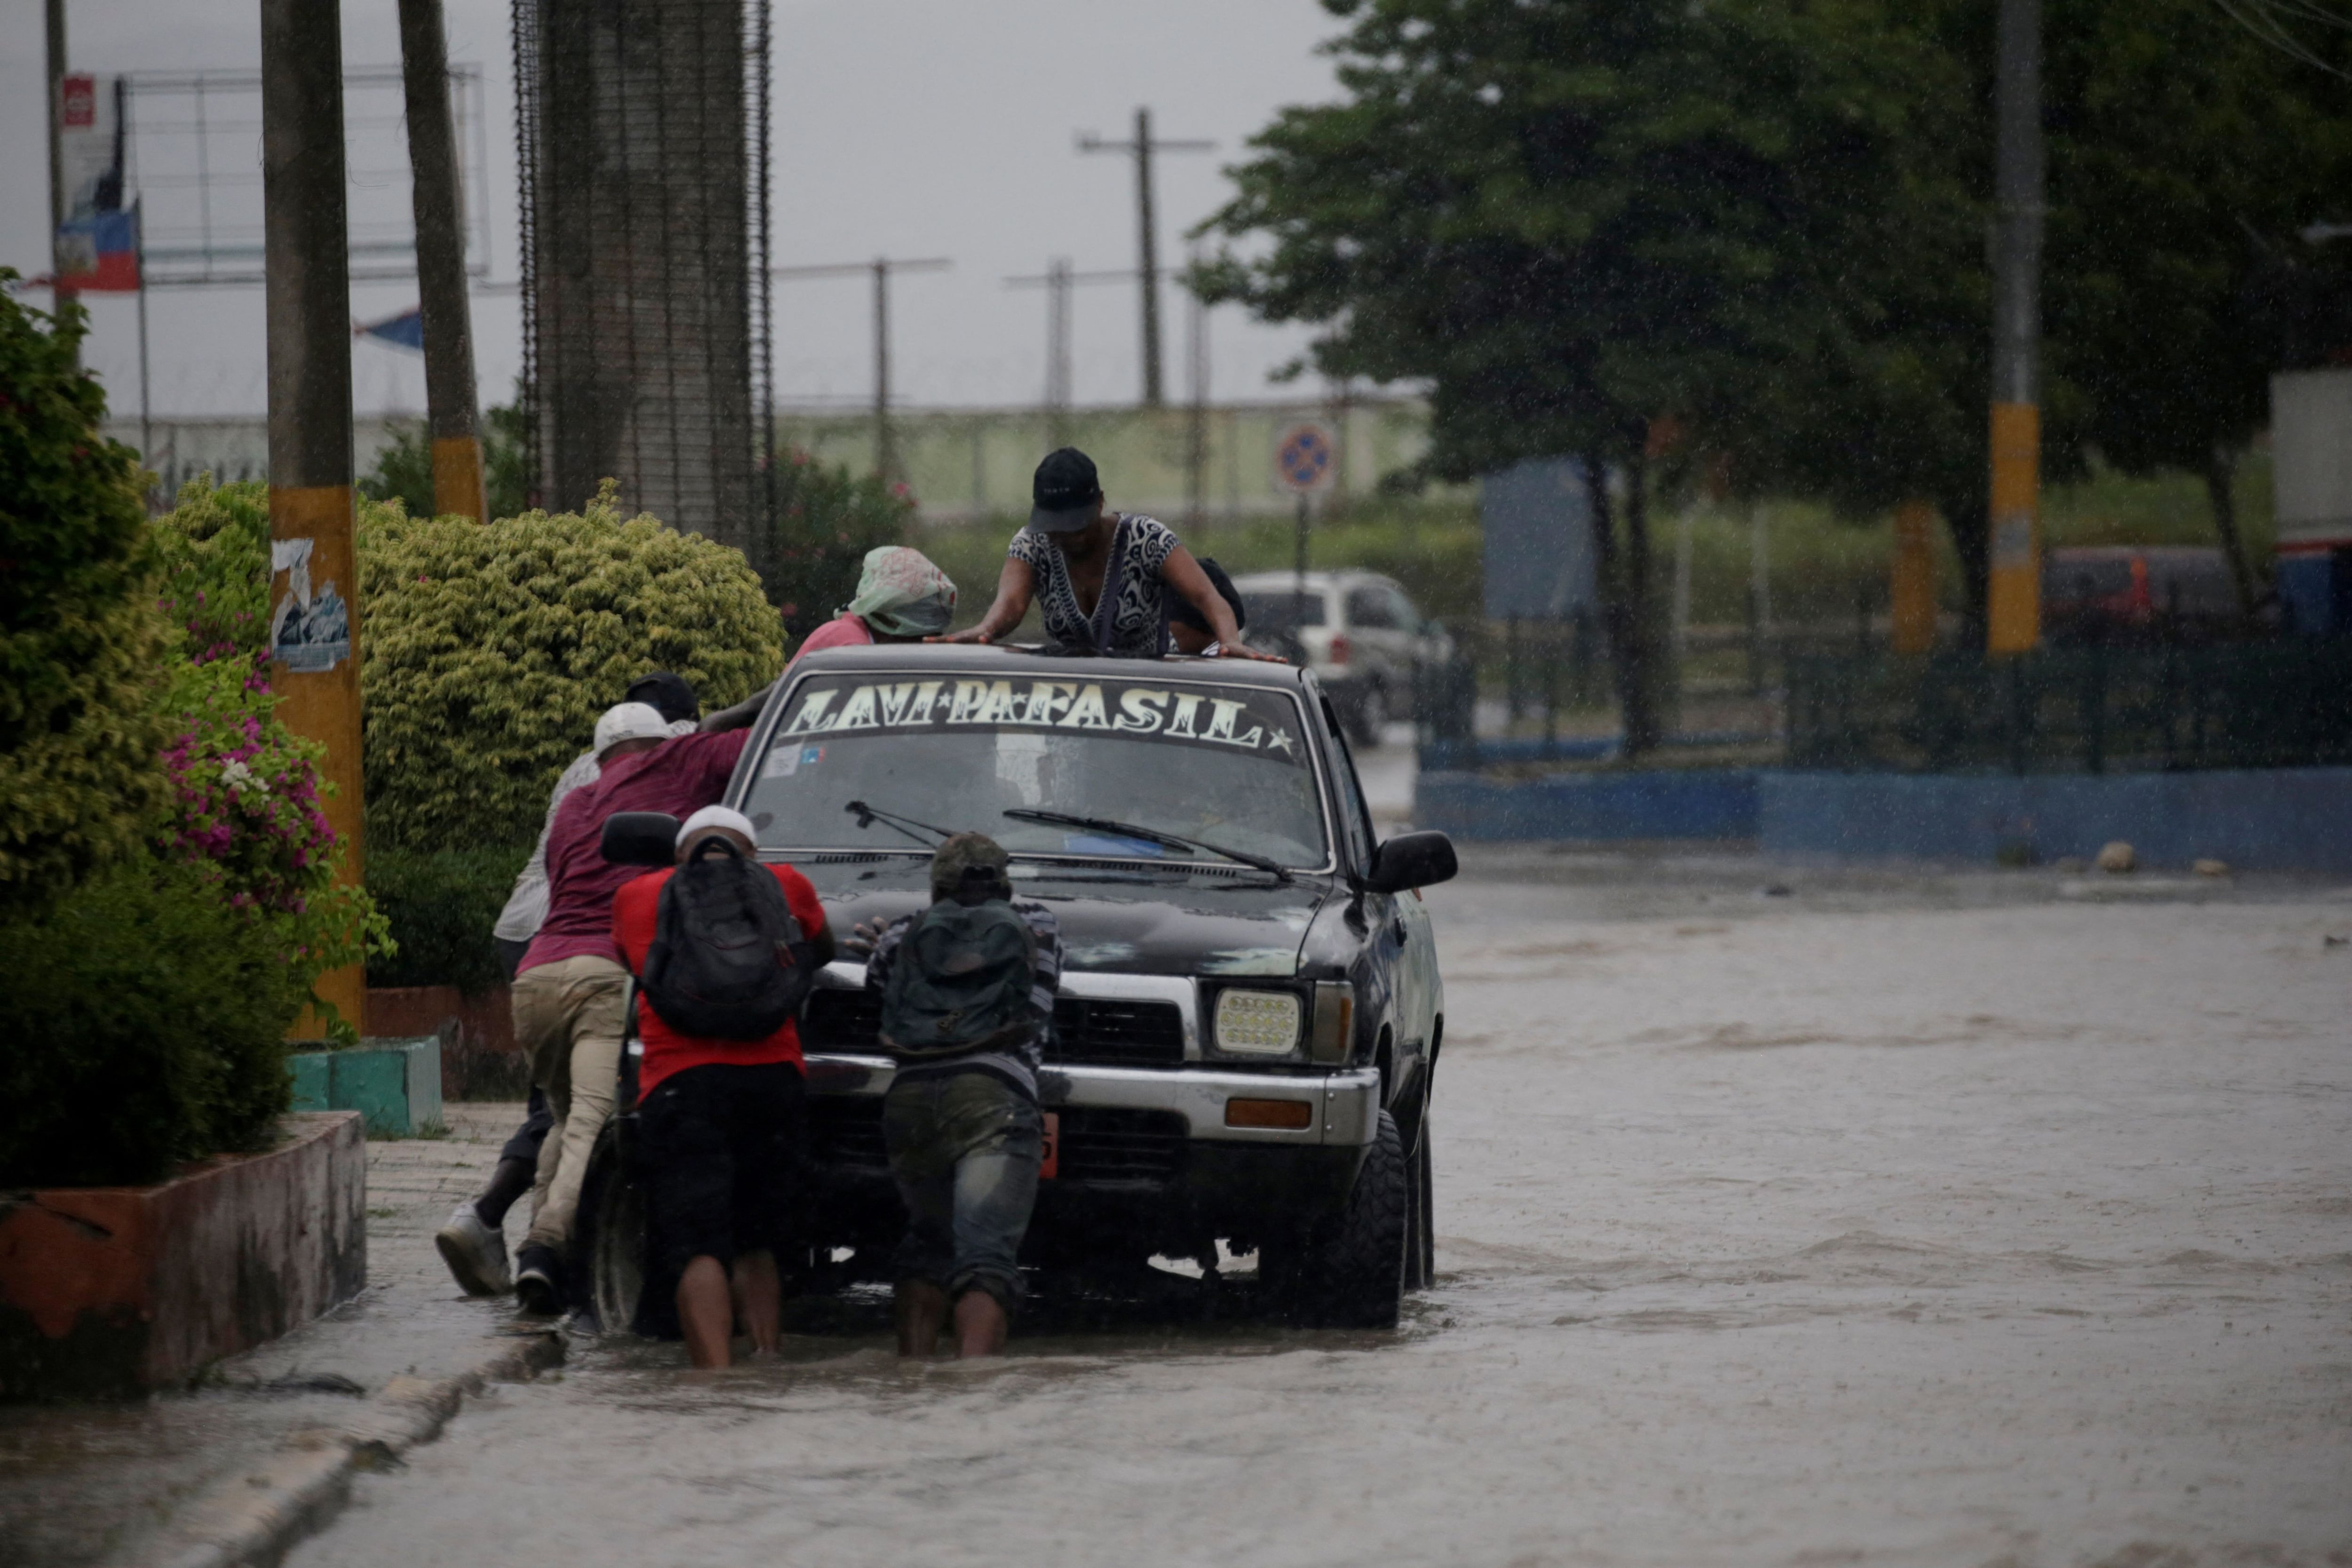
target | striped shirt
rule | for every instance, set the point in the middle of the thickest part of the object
(1016, 1065)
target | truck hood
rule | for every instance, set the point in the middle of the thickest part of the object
(1144, 922)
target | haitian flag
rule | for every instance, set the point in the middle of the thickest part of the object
(100, 253)
(98, 244)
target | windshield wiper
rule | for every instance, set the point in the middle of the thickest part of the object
(866, 816)
(1150, 836)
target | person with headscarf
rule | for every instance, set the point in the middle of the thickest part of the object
(901, 597)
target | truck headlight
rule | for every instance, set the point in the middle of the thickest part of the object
(1258, 1023)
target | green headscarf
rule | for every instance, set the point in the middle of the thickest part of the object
(901, 594)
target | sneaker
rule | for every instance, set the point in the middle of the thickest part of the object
(476, 1254)
(535, 1288)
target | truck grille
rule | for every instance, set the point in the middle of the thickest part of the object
(1095, 1031)
(1099, 1144)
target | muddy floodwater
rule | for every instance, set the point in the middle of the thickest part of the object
(1929, 1220)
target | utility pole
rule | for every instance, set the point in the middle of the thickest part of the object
(886, 445)
(2013, 582)
(1196, 424)
(314, 578)
(1147, 249)
(60, 293)
(1057, 280)
(452, 409)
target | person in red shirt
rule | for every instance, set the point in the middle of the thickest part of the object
(568, 988)
(720, 1127)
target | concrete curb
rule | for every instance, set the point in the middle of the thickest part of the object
(254, 1517)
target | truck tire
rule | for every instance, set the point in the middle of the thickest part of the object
(1353, 1278)
(610, 1238)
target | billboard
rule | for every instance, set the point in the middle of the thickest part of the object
(1537, 520)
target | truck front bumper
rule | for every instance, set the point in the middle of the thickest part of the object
(1346, 1104)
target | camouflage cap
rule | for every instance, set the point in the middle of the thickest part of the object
(963, 858)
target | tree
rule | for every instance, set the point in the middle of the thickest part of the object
(1570, 217)
(2186, 153)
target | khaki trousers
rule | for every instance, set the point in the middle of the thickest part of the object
(567, 1017)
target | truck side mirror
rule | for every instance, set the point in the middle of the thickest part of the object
(1412, 860)
(642, 838)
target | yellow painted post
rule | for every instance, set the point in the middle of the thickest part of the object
(314, 639)
(458, 483)
(2013, 590)
(311, 529)
(1912, 590)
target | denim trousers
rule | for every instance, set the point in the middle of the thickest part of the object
(965, 1150)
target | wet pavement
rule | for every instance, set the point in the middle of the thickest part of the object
(89, 1483)
(1785, 1215)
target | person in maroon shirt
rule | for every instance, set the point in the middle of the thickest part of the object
(721, 1128)
(568, 989)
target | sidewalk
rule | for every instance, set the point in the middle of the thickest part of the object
(85, 1483)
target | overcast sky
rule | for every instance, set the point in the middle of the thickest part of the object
(900, 127)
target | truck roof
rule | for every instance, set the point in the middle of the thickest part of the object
(1021, 660)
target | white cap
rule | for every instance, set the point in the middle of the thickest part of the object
(718, 817)
(629, 721)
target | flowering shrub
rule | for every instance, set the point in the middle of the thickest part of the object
(246, 809)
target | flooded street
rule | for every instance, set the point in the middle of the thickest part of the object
(1782, 1219)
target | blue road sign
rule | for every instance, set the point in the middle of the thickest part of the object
(1305, 458)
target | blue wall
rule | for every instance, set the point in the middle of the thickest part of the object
(1662, 803)
(2287, 819)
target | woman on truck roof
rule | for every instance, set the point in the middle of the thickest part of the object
(1103, 578)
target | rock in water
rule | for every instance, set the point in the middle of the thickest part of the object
(2117, 857)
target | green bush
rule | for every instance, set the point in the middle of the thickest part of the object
(147, 1021)
(829, 519)
(442, 904)
(489, 651)
(79, 634)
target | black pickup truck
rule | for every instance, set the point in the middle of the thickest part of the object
(1250, 1011)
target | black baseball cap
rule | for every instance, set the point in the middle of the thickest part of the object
(1067, 492)
(667, 693)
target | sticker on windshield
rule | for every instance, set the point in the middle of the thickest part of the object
(1228, 718)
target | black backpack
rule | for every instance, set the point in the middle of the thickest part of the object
(727, 960)
(960, 982)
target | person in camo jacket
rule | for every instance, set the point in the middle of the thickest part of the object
(964, 1131)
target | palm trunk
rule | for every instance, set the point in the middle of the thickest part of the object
(2220, 472)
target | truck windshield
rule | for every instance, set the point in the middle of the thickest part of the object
(1227, 765)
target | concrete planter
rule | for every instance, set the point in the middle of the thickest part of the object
(394, 1084)
(121, 1289)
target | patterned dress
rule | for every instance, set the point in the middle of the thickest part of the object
(1139, 624)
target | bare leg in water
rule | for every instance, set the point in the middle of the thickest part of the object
(708, 1304)
(920, 1309)
(980, 1324)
